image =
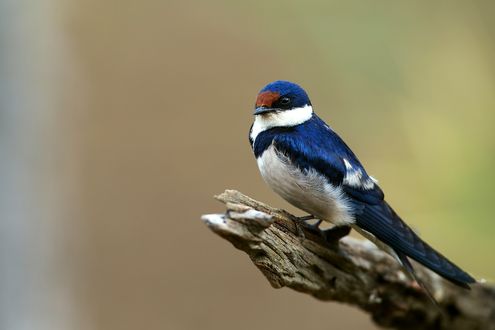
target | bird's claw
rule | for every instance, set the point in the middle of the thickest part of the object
(301, 222)
(331, 235)
(305, 218)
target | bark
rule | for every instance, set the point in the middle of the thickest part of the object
(351, 270)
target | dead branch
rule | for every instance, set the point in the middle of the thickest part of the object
(350, 271)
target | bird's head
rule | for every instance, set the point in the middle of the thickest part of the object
(280, 96)
(280, 104)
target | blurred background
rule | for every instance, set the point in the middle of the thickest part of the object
(119, 120)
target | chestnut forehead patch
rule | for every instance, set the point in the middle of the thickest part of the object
(266, 99)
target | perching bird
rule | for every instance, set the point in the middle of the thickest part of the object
(304, 161)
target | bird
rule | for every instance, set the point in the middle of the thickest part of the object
(305, 161)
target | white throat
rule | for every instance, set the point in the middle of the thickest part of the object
(285, 118)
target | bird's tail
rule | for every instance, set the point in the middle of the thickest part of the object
(388, 227)
(429, 257)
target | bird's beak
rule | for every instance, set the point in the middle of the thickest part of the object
(262, 110)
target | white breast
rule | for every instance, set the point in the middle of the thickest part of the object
(307, 190)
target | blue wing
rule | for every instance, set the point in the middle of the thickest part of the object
(314, 145)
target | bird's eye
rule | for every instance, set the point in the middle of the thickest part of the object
(284, 101)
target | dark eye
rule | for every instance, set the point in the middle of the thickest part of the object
(285, 101)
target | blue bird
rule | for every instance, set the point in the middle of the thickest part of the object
(304, 161)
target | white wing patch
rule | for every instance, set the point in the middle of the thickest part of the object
(354, 177)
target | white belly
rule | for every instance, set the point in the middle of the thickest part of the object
(307, 190)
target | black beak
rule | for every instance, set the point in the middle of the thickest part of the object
(263, 110)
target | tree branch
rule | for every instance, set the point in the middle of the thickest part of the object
(351, 271)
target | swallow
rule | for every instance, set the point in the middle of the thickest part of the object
(305, 162)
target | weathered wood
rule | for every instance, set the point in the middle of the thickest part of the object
(351, 271)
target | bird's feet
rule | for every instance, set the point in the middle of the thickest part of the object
(304, 221)
(305, 218)
(330, 235)
(301, 222)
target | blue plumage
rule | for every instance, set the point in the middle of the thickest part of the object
(313, 144)
(285, 88)
(303, 145)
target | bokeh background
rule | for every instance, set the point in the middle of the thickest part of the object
(119, 120)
